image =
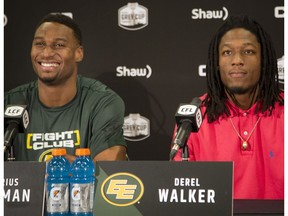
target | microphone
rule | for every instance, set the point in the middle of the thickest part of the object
(188, 119)
(16, 120)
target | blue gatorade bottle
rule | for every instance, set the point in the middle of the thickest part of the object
(82, 184)
(57, 184)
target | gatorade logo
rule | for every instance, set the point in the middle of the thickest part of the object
(55, 193)
(75, 193)
(122, 189)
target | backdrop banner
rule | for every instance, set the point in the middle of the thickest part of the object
(152, 53)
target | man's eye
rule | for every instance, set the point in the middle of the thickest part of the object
(249, 52)
(39, 44)
(226, 52)
(59, 45)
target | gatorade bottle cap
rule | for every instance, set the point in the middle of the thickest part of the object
(82, 151)
(58, 151)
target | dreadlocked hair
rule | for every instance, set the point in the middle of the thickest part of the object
(269, 89)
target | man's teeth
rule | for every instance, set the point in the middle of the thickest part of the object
(49, 64)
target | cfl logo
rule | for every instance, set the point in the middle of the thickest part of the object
(25, 119)
(14, 111)
(198, 118)
(187, 109)
(122, 189)
(18, 111)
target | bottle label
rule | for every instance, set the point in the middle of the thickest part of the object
(57, 197)
(81, 197)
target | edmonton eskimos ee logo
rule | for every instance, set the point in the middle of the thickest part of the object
(122, 189)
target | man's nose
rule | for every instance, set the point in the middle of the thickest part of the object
(237, 59)
(48, 51)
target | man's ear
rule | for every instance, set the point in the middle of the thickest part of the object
(79, 54)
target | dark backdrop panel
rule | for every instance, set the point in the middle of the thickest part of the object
(173, 44)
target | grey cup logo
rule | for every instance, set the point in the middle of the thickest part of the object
(133, 16)
(280, 65)
(69, 14)
(136, 127)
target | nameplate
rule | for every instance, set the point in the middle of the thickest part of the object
(163, 188)
(24, 188)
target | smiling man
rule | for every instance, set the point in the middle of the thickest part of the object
(66, 109)
(243, 110)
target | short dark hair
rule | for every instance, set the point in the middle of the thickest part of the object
(269, 91)
(64, 20)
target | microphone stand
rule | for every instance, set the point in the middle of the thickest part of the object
(11, 156)
(9, 140)
(185, 153)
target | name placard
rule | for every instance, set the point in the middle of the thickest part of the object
(24, 188)
(163, 188)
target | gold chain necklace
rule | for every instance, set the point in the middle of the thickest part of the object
(245, 142)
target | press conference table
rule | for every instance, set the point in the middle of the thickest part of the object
(258, 207)
(22, 171)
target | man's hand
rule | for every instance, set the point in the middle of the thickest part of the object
(115, 153)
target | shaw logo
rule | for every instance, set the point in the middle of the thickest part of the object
(122, 189)
(279, 12)
(133, 16)
(123, 71)
(199, 13)
(136, 127)
(5, 20)
(202, 70)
